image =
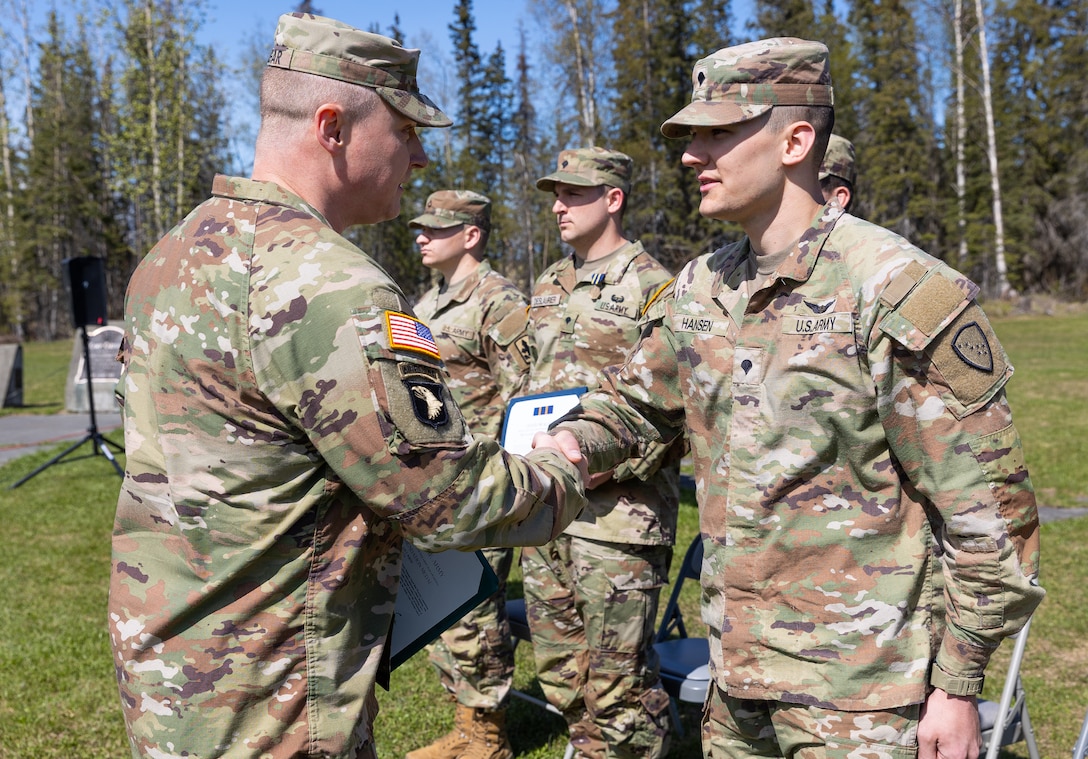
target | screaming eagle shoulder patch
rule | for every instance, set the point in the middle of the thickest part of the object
(425, 392)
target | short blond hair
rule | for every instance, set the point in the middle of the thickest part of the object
(289, 99)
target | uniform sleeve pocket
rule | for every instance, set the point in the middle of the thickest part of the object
(977, 605)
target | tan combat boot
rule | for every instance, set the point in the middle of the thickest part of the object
(453, 743)
(488, 737)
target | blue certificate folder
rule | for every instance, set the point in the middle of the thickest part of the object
(436, 590)
(530, 414)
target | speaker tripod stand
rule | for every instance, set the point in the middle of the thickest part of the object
(93, 436)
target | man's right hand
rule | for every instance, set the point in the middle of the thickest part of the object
(564, 442)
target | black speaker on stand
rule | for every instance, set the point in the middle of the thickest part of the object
(85, 277)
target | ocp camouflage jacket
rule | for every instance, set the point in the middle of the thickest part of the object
(868, 521)
(286, 427)
(581, 321)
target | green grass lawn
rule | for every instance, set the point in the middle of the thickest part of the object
(57, 693)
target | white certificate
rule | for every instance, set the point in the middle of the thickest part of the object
(530, 414)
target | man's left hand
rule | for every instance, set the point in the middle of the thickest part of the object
(948, 727)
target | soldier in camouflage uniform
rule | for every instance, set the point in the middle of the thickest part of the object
(837, 172)
(843, 396)
(478, 318)
(287, 426)
(592, 594)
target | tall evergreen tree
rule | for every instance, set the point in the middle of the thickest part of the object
(11, 309)
(496, 130)
(113, 207)
(101, 219)
(784, 18)
(1065, 226)
(897, 186)
(528, 161)
(1038, 73)
(469, 117)
(494, 127)
(711, 23)
(651, 72)
(831, 30)
(64, 178)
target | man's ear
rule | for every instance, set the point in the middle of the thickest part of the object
(473, 235)
(329, 126)
(799, 137)
(614, 195)
(844, 195)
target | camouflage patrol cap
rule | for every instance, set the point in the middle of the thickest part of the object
(590, 167)
(839, 160)
(325, 47)
(448, 208)
(739, 83)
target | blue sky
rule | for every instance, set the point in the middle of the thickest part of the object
(423, 21)
(231, 26)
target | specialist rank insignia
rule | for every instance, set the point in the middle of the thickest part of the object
(971, 345)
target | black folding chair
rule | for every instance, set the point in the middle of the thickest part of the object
(684, 661)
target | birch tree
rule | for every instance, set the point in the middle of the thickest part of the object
(961, 132)
(156, 134)
(574, 35)
(1001, 284)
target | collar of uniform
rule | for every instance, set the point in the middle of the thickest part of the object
(622, 259)
(240, 188)
(799, 264)
(727, 265)
(462, 290)
(730, 270)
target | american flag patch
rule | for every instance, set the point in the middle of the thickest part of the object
(410, 334)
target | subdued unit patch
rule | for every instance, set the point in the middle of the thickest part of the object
(971, 345)
(971, 381)
(523, 352)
